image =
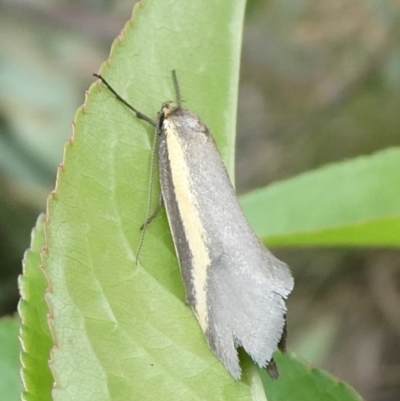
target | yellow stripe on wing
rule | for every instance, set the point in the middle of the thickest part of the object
(192, 223)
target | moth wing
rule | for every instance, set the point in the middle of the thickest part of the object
(246, 306)
(235, 286)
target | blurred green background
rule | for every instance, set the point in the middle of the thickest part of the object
(320, 82)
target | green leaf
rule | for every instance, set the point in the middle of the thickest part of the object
(298, 381)
(35, 335)
(353, 203)
(10, 379)
(123, 331)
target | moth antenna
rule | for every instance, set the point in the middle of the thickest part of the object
(177, 90)
(138, 113)
(156, 124)
(151, 192)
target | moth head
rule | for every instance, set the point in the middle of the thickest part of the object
(168, 108)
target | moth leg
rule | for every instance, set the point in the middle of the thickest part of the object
(282, 341)
(272, 369)
(154, 214)
(146, 223)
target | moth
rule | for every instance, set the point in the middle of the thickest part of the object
(234, 284)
